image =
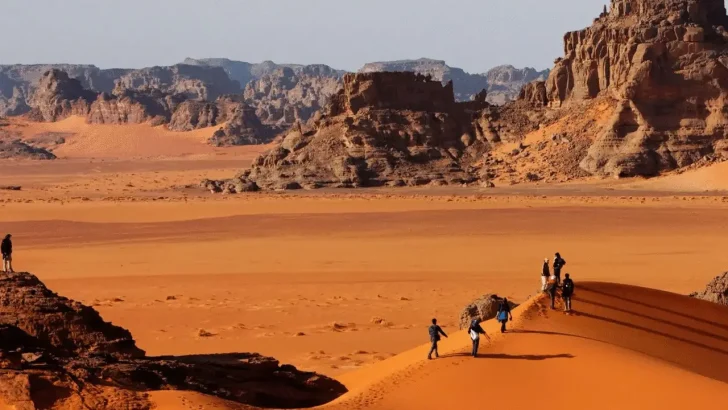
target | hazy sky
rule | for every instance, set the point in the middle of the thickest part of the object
(472, 34)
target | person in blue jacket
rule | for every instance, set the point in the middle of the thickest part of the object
(504, 313)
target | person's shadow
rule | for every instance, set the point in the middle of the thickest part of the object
(514, 356)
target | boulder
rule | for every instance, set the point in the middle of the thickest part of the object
(716, 291)
(483, 308)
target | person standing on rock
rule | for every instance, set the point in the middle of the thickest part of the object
(545, 273)
(435, 332)
(504, 313)
(475, 330)
(559, 263)
(7, 250)
(567, 291)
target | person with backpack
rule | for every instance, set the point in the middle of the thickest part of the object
(567, 291)
(559, 263)
(504, 313)
(475, 330)
(6, 248)
(435, 332)
(552, 286)
(545, 273)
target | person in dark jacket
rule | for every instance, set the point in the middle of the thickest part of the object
(559, 263)
(504, 313)
(545, 273)
(7, 250)
(435, 332)
(567, 291)
(475, 330)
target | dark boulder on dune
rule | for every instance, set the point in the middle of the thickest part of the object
(716, 291)
(56, 353)
(483, 308)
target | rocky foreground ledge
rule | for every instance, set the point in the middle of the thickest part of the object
(56, 353)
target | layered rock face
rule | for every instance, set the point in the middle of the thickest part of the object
(663, 64)
(380, 128)
(288, 95)
(19, 83)
(59, 354)
(505, 82)
(193, 82)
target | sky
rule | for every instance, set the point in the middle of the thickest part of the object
(471, 34)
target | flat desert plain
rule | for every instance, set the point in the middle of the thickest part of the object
(345, 283)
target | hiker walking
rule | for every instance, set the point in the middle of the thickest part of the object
(504, 313)
(552, 286)
(7, 250)
(475, 330)
(559, 263)
(567, 291)
(545, 273)
(435, 332)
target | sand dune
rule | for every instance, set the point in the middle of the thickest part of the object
(710, 178)
(126, 141)
(624, 347)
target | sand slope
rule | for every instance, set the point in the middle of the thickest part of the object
(627, 347)
(710, 178)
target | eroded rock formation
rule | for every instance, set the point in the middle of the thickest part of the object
(379, 129)
(716, 291)
(663, 66)
(59, 97)
(503, 83)
(289, 95)
(59, 354)
(484, 308)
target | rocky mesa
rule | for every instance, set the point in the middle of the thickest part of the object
(663, 68)
(379, 129)
(59, 354)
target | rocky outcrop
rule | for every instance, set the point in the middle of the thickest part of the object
(16, 149)
(505, 82)
(59, 97)
(484, 308)
(289, 95)
(19, 82)
(663, 65)
(465, 85)
(57, 354)
(192, 82)
(379, 129)
(716, 291)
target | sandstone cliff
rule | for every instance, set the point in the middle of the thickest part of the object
(59, 354)
(505, 82)
(662, 65)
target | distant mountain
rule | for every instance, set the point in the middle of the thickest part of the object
(18, 83)
(503, 83)
(245, 73)
(506, 81)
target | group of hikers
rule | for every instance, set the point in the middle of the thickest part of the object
(6, 247)
(550, 283)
